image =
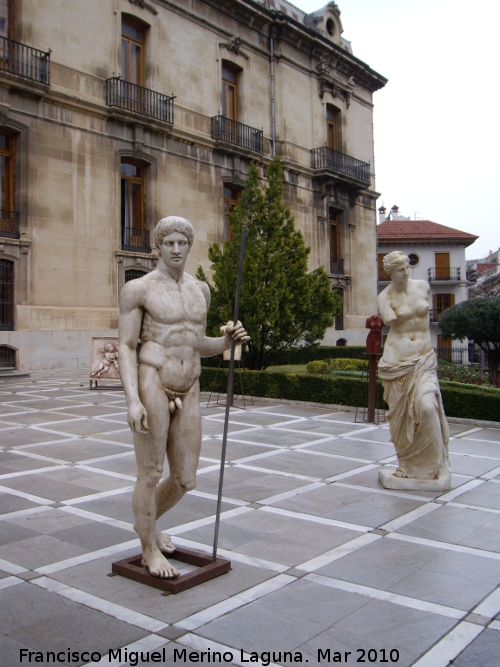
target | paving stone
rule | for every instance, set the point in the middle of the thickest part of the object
(37, 551)
(482, 652)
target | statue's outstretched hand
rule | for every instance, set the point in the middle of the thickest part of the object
(236, 332)
(138, 418)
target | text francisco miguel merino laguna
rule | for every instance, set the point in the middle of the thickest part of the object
(183, 656)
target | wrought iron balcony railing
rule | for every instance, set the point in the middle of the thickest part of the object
(327, 158)
(337, 265)
(471, 275)
(131, 97)
(443, 273)
(435, 314)
(237, 134)
(9, 224)
(24, 61)
(135, 240)
(455, 355)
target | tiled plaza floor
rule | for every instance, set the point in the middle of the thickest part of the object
(327, 566)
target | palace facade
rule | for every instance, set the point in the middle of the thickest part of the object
(115, 113)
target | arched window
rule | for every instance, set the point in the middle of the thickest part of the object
(132, 274)
(6, 295)
(7, 357)
(341, 342)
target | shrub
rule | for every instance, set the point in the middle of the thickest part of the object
(319, 367)
(343, 364)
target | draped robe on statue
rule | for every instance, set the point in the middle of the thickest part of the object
(421, 448)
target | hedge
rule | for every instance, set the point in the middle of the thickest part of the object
(302, 355)
(459, 400)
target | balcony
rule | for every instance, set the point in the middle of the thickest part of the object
(9, 224)
(443, 273)
(334, 162)
(231, 132)
(24, 61)
(137, 99)
(135, 240)
(336, 265)
(435, 314)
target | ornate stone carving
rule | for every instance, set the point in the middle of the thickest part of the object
(234, 44)
(144, 5)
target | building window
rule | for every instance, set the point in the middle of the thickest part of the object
(382, 275)
(414, 259)
(442, 265)
(6, 19)
(444, 351)
(332, 127)
(132, 274)
(442, 301)
(229, 92)
(336, 260)
(135, 236)
(231, 198)
(133, 38)
(341, 342)
(7, 357)
(6, 295)
(7, 172)
(339, 317)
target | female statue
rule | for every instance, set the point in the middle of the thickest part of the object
(419, 429)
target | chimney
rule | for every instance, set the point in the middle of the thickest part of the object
(395, 211)
(381, 214)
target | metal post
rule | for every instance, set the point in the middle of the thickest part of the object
(230, 390)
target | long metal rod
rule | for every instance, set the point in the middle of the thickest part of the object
(230, 387)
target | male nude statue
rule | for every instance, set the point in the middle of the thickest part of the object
(166, 309)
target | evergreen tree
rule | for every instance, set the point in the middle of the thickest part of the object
(281, 303)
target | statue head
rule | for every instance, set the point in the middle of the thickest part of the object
(170, 224)
(395, 259)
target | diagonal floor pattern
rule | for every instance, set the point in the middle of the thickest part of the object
(327, 566)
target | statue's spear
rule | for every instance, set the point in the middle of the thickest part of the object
(230, 388)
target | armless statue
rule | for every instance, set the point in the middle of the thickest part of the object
(166, 310)
(419, 430)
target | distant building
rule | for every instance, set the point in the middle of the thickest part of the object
(437, 254)
(115, 113)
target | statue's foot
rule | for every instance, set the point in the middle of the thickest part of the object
(400, 473)
(158, 566)
(164, 542)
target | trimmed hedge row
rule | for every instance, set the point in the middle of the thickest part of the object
(302, 355)
(459, 400)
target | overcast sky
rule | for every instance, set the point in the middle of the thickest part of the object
(436, 122)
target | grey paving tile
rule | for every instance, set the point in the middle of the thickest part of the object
(19, 436)
(380, 434)
(37, 551)
(348, 648)
(350, 505)
(472, 465)
(447, 524)
(248, 485)
(468, 445)
(397, 626)
(10, 533)
(482, 652)
(83, 427)
(36, 418)
(9, 503)
(275, 436)
(11, 462)
(77, 449)
(249, 418)
(235, 450)
(312, 465)
(273, 537)
(125, 465)
(492, 434)
(373, 451)
(49, 521)
(213, 427)
(93, 535)
(10, 651)
(485, 495)
(118, 506)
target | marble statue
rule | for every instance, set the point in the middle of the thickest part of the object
(419, 430)
(166, 310)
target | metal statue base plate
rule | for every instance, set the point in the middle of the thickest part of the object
(206, 569)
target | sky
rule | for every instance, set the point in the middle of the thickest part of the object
(436, 122)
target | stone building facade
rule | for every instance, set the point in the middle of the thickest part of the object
(115, 113)
(437, 255)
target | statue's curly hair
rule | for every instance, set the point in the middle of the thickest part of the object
(393, 259)
(170, 224)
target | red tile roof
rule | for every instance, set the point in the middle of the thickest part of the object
(421, 231)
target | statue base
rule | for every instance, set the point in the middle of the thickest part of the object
(442, 482)
(207, 569)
